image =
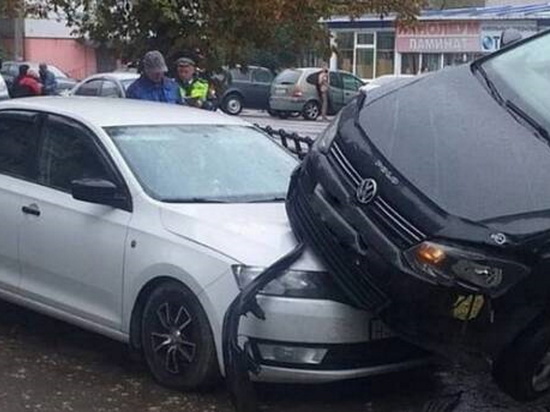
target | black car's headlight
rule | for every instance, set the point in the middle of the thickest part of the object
(323, 142)
(456, 266)
(291, 283)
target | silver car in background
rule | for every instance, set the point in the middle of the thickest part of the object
(4, 92)
(112, 84)
(295, 91)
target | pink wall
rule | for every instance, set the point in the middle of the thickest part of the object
(71, 56)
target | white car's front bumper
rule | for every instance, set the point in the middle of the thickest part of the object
(314, 341)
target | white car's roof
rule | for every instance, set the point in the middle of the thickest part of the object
(114, 75)
(117, 112)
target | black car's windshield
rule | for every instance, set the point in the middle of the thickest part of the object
(474, 156)
(205, 163)
(521, 76)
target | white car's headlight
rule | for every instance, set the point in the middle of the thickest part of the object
(457, 266)
(323, 142)
(291, 283)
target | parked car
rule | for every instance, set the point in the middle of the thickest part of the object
(112, 84)
(382, 80)
(142, 220)
(429, 200)
(10, 70)
(295, 90)
(244, 88)
(4, 93)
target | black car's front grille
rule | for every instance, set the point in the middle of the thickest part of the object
(354, 278)
(383, 214)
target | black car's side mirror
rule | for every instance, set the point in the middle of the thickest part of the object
(103, 192)
(510, 36)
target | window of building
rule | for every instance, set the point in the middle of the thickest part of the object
(385, 54)
(365, 63)
(346, 46)
(365, 39)
(431, 62)
(410, 63)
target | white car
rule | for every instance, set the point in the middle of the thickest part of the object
(113, 84)
(141, 220)
(4, 93)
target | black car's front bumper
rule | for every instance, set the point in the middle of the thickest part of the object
(368, 265)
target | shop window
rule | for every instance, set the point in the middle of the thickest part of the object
(385, 45)
(345, 40)
(385, 41)
(365, 63)
(454, 59)
(346, 45)
(345, 60)
(365, 38)
(410, 63)
(431, 62)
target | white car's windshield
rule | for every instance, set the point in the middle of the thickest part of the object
(205, 163)
(521, 76)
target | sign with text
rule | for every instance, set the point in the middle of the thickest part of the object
(492, 31)
(439, 37)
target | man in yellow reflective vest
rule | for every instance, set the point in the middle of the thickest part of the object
(193, 89)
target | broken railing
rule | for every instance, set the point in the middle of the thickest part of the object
(299, 145)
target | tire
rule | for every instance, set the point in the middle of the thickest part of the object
(311, 110)
(232, 104)
(523, 369)
(284, 115)
(177, 340)
(273, 113)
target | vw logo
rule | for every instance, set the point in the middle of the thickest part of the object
(366, 191)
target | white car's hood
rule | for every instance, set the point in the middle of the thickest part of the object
(254, 234)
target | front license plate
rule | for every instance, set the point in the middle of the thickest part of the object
(379, 331)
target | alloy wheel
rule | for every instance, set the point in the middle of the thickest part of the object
(170, 340)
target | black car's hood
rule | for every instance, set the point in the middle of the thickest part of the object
(461, 150)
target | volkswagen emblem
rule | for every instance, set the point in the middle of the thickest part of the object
(366, 191)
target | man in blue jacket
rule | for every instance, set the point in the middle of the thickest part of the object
(153, 85)
(47, 79)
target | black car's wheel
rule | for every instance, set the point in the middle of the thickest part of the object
(177, 340)
(311, 110)
(523, 369)
(232, 104)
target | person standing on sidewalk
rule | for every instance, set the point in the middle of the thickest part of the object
(323, 87)
(153, 85)
(48, 80)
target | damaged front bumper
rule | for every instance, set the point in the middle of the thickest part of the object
(373, 272)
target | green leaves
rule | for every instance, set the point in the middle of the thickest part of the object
(227, 31)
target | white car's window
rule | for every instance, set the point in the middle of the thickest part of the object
(16, 139)
(90, 88)
(193, 163)
(67, 154)
(110, 89)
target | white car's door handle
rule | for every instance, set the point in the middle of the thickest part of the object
(31, 209)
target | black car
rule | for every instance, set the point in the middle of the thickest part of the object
(245, 88)
(429, 199)
(10, 70)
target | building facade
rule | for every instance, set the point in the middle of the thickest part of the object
(370, 46)
(49, 41)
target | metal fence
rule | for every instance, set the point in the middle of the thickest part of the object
(299, 145)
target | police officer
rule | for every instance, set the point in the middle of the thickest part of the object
(193, 89)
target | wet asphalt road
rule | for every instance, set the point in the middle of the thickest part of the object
(47, 365)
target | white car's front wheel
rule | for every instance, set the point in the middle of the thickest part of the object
(177, 340)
